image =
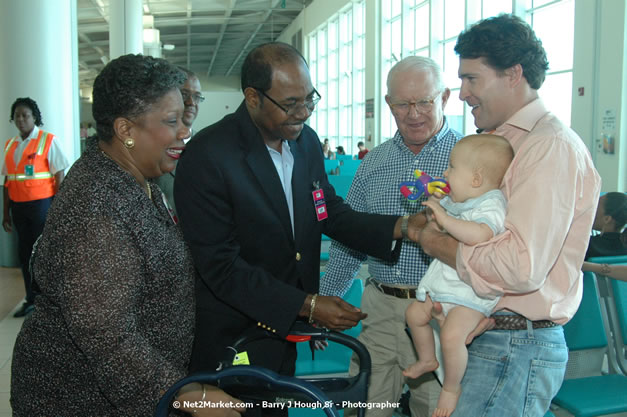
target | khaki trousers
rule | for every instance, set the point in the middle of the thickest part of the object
(391, 351)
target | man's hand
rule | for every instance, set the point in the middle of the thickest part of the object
(415, 223)
(483, 326)
(336, 314)
(428, 235)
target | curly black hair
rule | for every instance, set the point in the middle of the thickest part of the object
(257, 67)
(128, 86)
(504, 41)
(31, 104)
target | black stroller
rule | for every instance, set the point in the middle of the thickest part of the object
(254, 385)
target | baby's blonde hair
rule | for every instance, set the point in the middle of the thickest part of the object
(489, 154)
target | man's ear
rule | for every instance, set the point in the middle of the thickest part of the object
(251, 96)
(388, 100)
(515, 74)
(445, 95)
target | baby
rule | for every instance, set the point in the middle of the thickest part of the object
(473, 212)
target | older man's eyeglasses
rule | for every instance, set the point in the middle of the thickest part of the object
(422, 106)
(196, 97)
(292, 109)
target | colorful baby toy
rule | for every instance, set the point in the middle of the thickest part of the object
(424, 184)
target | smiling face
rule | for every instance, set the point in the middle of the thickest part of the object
(24, 120)
(159, 135)
(416, 126)
(488, 92)
(291, 85)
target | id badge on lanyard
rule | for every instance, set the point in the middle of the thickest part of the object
(319, 202)
(29, 168)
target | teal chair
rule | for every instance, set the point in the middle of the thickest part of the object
(341, 184)
(330, 166)
(344, 157)
(616, 306)
(335, 359)
(586, 392)
(349, 167)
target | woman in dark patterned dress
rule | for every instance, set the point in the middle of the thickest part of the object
(114, 324)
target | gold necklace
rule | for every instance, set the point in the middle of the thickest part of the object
(148, 190)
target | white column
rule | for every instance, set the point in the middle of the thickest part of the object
(125, 27)
(599, 104)
(39, 55)
(39, 59)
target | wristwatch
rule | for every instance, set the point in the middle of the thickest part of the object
(404, 222)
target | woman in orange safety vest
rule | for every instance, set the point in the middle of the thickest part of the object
(33, 168)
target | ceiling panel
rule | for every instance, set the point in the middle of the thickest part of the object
(210, 37)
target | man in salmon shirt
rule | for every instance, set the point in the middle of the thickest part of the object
(517, 365)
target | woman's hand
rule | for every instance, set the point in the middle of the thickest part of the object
(214, 397)
(6, 224)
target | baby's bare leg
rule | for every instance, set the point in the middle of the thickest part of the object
(460, 321)
(418, 315)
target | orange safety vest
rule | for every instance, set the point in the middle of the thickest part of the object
(38, 182)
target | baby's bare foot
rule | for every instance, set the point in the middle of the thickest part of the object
(421, 367)
(446, 403)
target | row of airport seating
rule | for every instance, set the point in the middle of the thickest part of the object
(596, 375)
(346, 166)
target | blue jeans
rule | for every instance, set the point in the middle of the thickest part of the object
(513, 373)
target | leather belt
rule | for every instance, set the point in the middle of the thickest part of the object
(404, 293)
(517, 322)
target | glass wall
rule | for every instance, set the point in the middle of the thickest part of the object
(337, 64)
(430, 28)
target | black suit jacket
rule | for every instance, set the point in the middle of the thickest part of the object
(254, 274)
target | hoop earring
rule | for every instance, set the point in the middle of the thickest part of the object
(129, 143)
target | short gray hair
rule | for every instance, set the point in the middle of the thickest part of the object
(417, 63)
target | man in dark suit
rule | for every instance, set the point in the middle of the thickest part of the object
(248, 194)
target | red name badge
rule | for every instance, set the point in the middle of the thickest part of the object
(320, 204)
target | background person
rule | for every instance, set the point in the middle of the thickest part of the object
(616, 271)
(537, 261)
(192, 97)
(362, 150)
(610, 220)
(249, 193)
(417, 98)
(473, 212)
(114, 323)
(327, 153)
(34, 167)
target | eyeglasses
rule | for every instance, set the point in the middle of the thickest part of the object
(292, 109)
(422, 106)
(196, 97)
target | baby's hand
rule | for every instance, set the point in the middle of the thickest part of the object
(437, 212)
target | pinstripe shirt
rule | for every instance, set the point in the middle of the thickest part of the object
(375, 189)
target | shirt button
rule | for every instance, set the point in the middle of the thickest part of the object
(298, 256)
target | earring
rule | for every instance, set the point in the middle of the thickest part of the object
(129, 143)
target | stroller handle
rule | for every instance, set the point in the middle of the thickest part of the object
(262, 375)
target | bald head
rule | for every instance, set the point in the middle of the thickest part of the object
(259, 63)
